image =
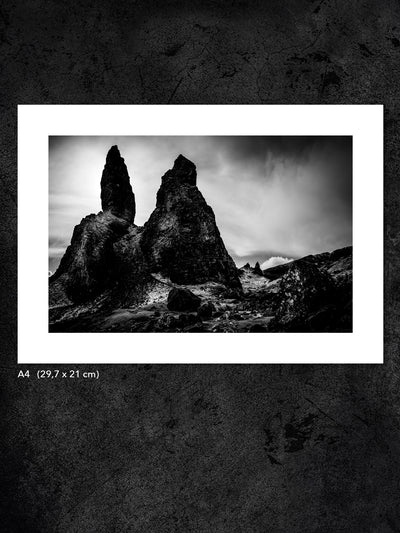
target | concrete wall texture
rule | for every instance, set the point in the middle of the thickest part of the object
(199, 448)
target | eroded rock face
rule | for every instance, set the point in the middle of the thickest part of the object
(117, 197)
(104, 254)
(130, 272)
(181, 240)
(305, 290)
(86, 267)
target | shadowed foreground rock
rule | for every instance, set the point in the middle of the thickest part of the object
(86, 268)
(252, 270)
(309, 300)
(180, 299)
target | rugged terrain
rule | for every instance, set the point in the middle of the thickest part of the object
(174, 274)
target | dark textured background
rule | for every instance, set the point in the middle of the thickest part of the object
(201, 448)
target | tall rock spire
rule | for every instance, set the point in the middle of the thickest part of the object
(87, 266)
(181, 239)
(116, 191)
(183, 171)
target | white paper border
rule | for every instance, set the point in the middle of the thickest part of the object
(37, 122)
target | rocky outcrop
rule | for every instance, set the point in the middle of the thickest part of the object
(339, 263)
(86, 268)
(257, 269)
(115, 276)
(108, 252)
(181, 240)
(247, 268)
(131, 276)
(117, 197)
(91, 264)
(303, 289)
(309, 300)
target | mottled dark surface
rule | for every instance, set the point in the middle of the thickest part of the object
(201, 448)
(181, 299)
(85, 268)
(309, 299)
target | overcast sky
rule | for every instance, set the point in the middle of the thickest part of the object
(273, 197)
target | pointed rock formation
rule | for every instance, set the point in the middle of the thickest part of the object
(181, 239)
(247, 268)
(109, 253)
(257, 269)
(116, 191)
(86, 268)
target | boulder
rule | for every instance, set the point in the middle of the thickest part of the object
(303, 291)
(181, 299)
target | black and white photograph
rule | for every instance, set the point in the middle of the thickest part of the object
(200, 267)
(192, 234)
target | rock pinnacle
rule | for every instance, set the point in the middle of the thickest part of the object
(116, 191)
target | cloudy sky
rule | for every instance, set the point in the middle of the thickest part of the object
(273, 197)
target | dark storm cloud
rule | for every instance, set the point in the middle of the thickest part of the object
(297, 150)
(272, 196)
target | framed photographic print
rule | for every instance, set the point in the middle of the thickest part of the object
(201, 234)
